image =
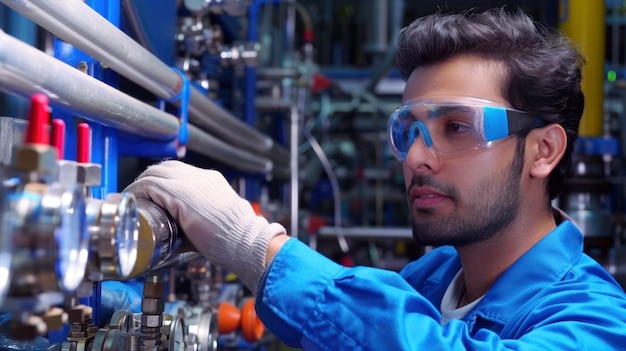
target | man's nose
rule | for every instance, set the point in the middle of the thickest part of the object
(421, 156)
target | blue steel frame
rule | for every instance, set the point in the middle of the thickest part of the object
(104, 141)
(253, 184)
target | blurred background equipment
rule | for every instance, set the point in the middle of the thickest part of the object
(288, 98)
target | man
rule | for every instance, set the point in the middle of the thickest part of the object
(490, 112)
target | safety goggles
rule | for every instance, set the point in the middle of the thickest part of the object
(451, 129)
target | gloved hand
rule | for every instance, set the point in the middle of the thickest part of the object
(220, 224)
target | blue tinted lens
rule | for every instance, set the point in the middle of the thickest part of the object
(403, 129)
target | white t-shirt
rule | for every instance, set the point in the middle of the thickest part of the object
(451, 299)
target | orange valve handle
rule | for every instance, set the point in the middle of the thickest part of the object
(230, 318)
(252, 328)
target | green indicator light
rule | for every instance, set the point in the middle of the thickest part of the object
(611, 76)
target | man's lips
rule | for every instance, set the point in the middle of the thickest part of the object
(424, 197)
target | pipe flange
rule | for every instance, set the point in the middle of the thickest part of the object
(118, 234)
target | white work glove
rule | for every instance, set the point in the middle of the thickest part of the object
(220, 224)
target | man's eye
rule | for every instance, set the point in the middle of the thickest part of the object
(457, 128)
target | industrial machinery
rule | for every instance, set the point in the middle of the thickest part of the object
(60, 244)
(84, 266)
(288, 98)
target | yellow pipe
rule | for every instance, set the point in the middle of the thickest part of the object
(584, 22)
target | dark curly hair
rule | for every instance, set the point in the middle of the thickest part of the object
(543, 67)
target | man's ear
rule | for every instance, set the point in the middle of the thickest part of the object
(548, 145)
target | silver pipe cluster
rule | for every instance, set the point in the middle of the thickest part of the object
(235, 143)
(25, 70)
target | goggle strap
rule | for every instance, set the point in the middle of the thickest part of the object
(520, 121)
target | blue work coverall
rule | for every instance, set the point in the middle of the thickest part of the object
(554, 297)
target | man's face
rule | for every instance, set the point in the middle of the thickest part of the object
(471, 198)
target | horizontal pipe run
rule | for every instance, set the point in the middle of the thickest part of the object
(223, 124)
(25, 70)
(78, 24)
(217, 149)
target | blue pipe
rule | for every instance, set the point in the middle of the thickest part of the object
(253, 36)
(104, 141)
(253, 185)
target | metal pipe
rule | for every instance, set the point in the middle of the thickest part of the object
(279, 153)
(77, 23)
(379, 30)
(217, 149)
(25, 70)
(388, 59)
(131, 16)
(237, 134)
(276, 105)
(294, 119)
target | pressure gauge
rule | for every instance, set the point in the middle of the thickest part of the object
(118, 235)
(177, 334)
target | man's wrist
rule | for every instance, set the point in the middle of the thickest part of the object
(275, 245)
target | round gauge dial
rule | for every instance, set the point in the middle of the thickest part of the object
(177, 334)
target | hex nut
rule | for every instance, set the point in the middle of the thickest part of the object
(156, 290)
(67, 171)
(55, 318)
(151, 320)
(150, 344)
(35, 158)
(153, 306)
(79, 314)
(151, 332)
(89, 174)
